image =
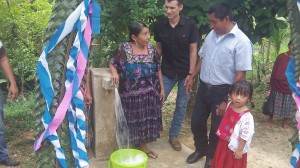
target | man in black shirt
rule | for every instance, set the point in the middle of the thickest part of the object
(176, 39)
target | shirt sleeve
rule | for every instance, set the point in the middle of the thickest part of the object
(118, 58)
(156, 58)
(273, 73)
(194, 35)
(2, 50)
(200, 52)
(155, 32)
(243, 55)
(247, 127)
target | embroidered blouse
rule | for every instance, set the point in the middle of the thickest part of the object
(138, 73)
(243, 129)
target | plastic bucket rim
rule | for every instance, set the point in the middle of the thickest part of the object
(114, 162)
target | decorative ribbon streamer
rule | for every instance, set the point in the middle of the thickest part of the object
(79, 20)
(294, 161)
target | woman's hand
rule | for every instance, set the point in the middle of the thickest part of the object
(114, 75)
(115, 78)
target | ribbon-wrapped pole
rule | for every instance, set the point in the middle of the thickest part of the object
(85, 20)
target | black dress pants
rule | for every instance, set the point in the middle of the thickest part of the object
(207, 101)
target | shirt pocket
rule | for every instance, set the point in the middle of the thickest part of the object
(183, 38)
(226, 57)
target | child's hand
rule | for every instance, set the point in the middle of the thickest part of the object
(221, 110)
(238, 154)
(88, 99)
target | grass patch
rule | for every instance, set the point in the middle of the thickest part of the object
(19, 123)
(18, 115)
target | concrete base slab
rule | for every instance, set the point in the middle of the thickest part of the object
(167, 157)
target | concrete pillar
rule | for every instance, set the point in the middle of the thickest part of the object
(104, 119)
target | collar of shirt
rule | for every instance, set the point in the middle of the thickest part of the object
(233, 31)
(181, 21)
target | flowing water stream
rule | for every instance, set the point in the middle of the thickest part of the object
(122, 131)
(122, 136)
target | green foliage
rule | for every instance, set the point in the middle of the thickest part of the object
(19, 114)
(257, 18)
(265, 53)
(116, 15)
(263, 21)
(22, 30)
(19, 124)
(3, 81)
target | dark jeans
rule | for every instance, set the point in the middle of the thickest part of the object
(3, 147)
(207, 100)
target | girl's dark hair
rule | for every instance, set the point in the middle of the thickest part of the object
(135, 29)
(242, 87)
(221, 10)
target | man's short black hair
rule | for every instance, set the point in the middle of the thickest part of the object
(221, 10)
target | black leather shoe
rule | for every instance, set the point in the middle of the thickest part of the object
(194, 157)
(10, 162)
(208, 163)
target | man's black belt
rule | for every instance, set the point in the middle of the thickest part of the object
(210, 86)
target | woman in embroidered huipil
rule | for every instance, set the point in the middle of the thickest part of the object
(236, 129)
(136, 67)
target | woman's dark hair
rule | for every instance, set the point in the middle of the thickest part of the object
(242, 87)
(135, 29)
(221, 10)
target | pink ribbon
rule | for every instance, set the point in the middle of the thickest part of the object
(62, 108)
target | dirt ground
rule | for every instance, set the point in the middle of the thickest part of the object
(270, 148)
